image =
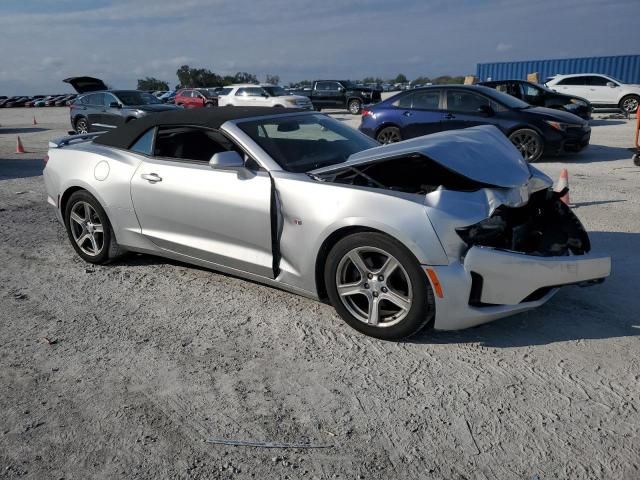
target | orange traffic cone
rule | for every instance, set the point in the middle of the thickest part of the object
(19, 147)
(563, 186)
(34, 120)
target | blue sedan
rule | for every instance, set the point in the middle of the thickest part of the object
(535, 131)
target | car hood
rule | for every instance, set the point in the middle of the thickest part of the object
(86, 84)
(481, 153)
(160, 107)
(557, 115)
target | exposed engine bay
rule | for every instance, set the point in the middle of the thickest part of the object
(544, 226)
(410, 174)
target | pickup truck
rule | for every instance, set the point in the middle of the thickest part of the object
(340, 94)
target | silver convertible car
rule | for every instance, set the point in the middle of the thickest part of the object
(444, 231)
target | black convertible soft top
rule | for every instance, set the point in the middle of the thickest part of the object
(126, 135)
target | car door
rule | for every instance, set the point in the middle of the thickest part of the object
(112, 115)
(464, 109)
(420, 113)
(198, 99)
(328, 94)
(599, 90)
(185, 206)
(95, 112)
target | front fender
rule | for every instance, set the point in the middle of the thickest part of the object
(312, 211)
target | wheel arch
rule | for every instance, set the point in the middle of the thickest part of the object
(386, 124)
(325, 248)
(71, 189)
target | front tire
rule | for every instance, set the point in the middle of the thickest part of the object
(89, 229)
(82, 125)
(389, 135)
(629, 104)
(529, 143)
(354, 106)
(377, 286)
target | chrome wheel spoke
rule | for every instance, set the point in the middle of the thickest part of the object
(76, 218)
(97, 228)
(389, 267)
(351, 289)
(357, 261)
(403, 303)
(94, 243)
(83, 238)
(373, 315)
(87, 211)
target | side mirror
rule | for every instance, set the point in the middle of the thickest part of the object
(230, 160)
(115, 105)
(611, 85)
(486, 109)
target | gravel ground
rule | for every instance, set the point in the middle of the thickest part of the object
(124, 371)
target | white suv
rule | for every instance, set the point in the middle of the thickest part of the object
(600, 90)
(263, 95)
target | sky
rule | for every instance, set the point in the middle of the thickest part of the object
(119, 41)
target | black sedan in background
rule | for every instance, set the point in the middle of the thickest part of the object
(541, 96)
(535, 131)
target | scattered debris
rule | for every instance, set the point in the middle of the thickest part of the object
(48, 341)
(250, 443)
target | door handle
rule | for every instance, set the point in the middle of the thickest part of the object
(151, 177)
(449, 116)
(407, 113)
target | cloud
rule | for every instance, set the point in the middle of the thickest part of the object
(120, 41)
(52, 62)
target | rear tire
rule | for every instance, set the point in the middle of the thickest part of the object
(209, 105)
(629, 104)
(529, 143)
(89, 229)
(383, 292)
(389, 135)
(354, 106)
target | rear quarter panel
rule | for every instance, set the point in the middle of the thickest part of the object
(104, 172)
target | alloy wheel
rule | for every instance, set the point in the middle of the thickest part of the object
(86, 228)
(630, 105)
(354, 107)
(374, 286)
(528, 144)
(389, 135)
(81, 126)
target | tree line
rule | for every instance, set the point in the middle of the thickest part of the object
(189, 77)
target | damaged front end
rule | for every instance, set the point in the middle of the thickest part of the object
(544, 226)
(509, 239)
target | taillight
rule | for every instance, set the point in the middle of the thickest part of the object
(366, 113)
(45, 160)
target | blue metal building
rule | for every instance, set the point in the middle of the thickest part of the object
(625, 68)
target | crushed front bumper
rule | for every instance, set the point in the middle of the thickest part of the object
(491, 283)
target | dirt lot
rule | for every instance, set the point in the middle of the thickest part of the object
(125, 371)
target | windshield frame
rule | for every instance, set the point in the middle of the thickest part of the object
(278, 157)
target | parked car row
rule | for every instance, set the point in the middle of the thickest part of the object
(37, 101)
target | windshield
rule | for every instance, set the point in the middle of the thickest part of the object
(134, 97)
(275, 91)
(504, 98)
(305, 142)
